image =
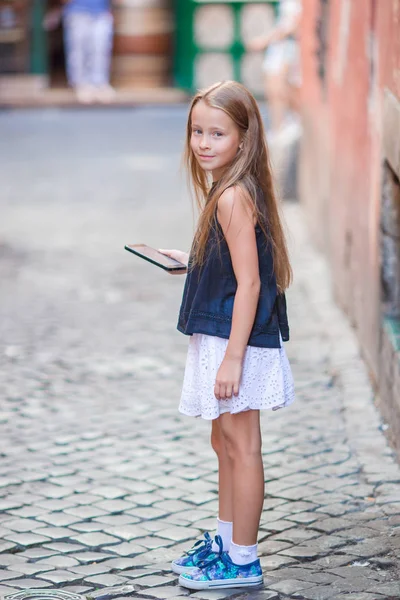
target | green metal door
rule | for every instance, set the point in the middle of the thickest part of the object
(210, 41)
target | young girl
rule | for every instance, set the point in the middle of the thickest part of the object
(234, 309)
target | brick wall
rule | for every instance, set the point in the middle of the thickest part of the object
(351, 63)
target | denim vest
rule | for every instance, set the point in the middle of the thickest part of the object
(209, 293)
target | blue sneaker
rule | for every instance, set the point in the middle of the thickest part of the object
(202, 550)
(220, 572)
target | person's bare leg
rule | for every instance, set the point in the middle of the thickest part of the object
(242, 437)
(225, 504)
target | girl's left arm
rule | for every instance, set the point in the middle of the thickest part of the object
(236, 219)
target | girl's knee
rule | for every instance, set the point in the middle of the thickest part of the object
(217, 440)
(243, 450)
(242, 439)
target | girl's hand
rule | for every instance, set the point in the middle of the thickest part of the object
(178, 255)
(228, 378)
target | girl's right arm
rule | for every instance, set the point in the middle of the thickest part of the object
(179, 255)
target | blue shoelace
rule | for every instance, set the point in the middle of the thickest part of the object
(202, 547)
(222, 556)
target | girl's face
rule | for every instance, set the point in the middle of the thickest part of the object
(215, 138)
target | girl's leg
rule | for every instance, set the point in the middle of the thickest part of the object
(101, 47)
(225, 506)
(225, 491)
(242, 436)
(76, 31)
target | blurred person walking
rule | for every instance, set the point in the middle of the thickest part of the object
(88, 34)
(282, 75)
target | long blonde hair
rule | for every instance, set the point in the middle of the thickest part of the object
(250, 170)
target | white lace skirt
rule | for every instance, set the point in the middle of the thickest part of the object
(266, 382)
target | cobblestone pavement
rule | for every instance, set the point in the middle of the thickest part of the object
(102, 482)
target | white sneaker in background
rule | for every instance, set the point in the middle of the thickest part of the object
(85, 94)
(105, 94)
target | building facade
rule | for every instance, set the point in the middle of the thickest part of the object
(157, 43)
(350, 168)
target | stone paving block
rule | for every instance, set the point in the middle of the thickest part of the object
(142, 571)
(147, 512)
(30, 583)
(86, 527)
(202, 525)
(331, 561)
(126, 532)
(272, 516)
(391, 589)
(361, 596)
(178, 534)
(155, 526)
(27, 539)
(116, 520)
(199, 499)
(302, 551)
(117, 592)
(272, 547)
(146, 499)
(9, 504)
(77, 589)
(59, 576)
(115, 506)
(91, 569)
(307, 574)
(55, 533)
(58, 519)
(216, 594)
(105, 580)
(88, 557)
(11, 559)
(33, 553)
(126, 549)
(8, 574)
(316, 593)
(259, 595)
(62, 547)
(290, 586)
(94, 540)
(22, 525)
(275, 562)
(353, 584)
(164, 592)
(5, 590)
(152, 542)
(82, 498)
(155, 580)
(57, 561)
(303, 517)
(368, 548)
(85, 512)
(4, 546)
(31, 568)
(358, 533)
(55, 505)
(332, 525)
(280, 525)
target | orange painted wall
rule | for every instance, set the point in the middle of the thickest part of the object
(343, 131)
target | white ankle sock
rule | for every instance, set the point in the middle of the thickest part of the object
(224, 529)
(242, 555)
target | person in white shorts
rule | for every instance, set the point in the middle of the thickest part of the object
(281, 63)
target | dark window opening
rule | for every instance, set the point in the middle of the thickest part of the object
(390, 243)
